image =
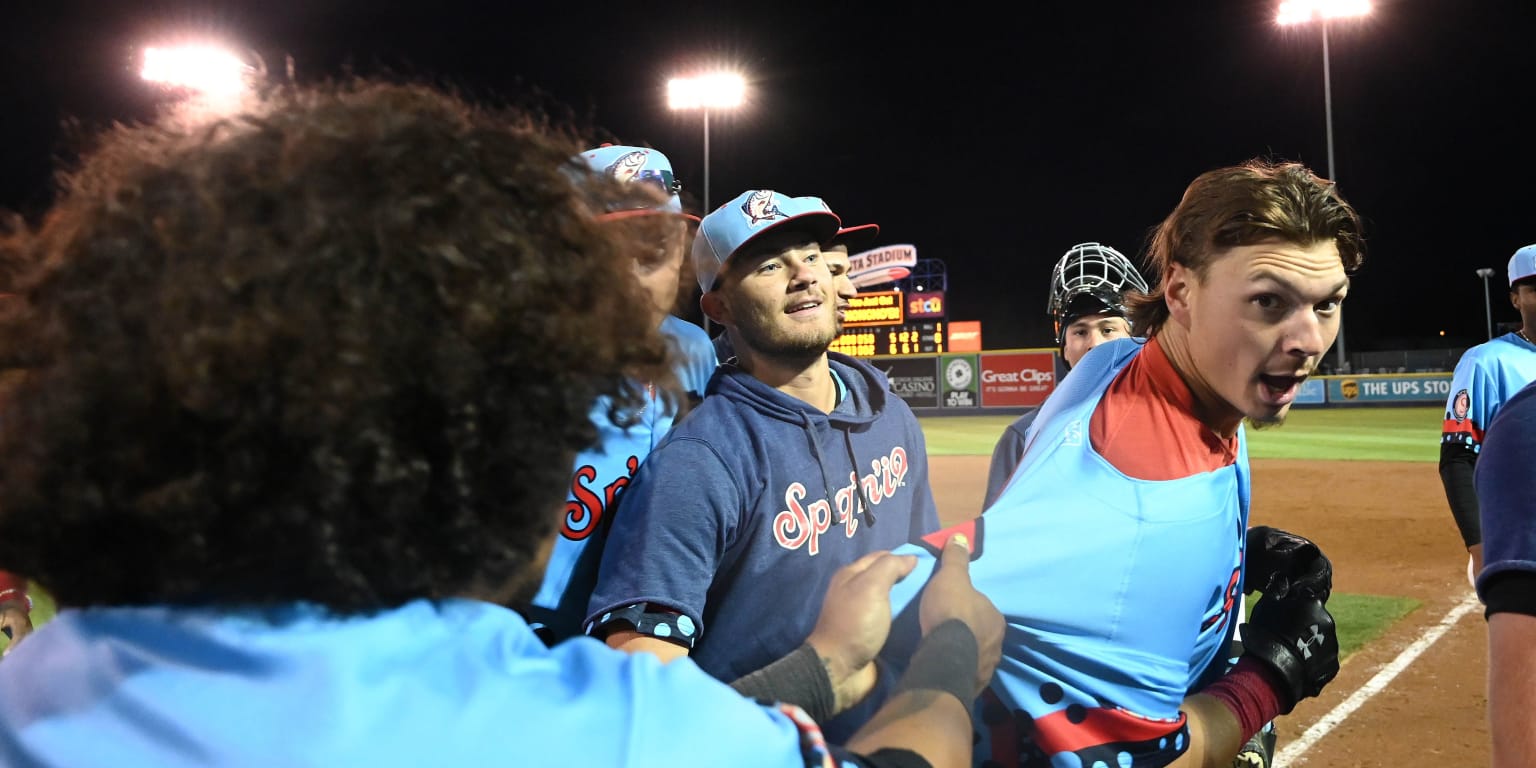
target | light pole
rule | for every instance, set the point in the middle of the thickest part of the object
(721, 90)
(1323, 11)
(1485, 273)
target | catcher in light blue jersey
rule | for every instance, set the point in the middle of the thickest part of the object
(1487, 376)
(603, 471)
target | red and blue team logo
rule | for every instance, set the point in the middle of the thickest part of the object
(761, 207)
(1461, 405)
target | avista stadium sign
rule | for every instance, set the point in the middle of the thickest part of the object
(885, 264)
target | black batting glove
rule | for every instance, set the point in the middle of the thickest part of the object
(1297, 639)
(1282, 564)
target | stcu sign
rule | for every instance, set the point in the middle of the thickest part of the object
(925, 304)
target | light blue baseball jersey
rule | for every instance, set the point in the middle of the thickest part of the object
(602, 473)
(1119, 593)
(452, 683)
(1486, 377)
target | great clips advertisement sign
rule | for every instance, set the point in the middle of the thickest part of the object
(1017, 379)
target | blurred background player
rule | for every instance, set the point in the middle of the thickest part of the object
(15, 609)
(1087, 307)
(647, 210)
(1117, 551)
(1486, 377)
(1507, 583)
(798, 462)
(341, 478)
(835, 252)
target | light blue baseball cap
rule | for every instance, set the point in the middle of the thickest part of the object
(752, 214)
(1522, 264)
(639, 165)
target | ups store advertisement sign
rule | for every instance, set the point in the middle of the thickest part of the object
(1390, 388)
(1017, 379)
(959, 381)
(915, 380)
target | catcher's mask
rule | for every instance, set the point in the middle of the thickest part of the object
(1090, 279)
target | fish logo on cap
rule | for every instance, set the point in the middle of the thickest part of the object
(760, 207)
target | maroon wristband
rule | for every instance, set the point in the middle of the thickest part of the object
(1252, 692)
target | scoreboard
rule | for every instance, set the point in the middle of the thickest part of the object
(887, 323)
(916, 338)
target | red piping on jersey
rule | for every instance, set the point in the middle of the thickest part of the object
(1056, 733)
(1462, 427)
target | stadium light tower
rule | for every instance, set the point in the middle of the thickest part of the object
(1294, 12)
(1485, 273)
(717, 91)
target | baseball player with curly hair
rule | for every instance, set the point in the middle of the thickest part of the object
(1486, 377)
(1087, 308)
(301, 395)
(1120, 549)
(15, 609)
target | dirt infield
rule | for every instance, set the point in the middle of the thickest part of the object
(1386, 527)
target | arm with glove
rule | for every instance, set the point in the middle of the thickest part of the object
(1291, 648)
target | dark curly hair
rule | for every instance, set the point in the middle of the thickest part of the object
(1243, 205)
(340, 347)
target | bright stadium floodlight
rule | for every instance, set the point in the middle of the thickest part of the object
(717, 91)
(1293, 12)
(208, 70)
(1302, 11)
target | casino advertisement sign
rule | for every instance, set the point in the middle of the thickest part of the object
(959, 381)
(1017, 379)
(915, 380)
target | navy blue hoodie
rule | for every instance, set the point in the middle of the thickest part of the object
(741, 516)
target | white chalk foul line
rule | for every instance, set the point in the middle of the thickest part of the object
(1374, 686)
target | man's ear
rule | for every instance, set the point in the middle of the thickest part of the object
(1514, 297)
(1177, 284)
(716, 308)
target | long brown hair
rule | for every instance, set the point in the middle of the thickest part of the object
(1242, 205)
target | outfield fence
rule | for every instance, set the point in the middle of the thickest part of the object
(1012, 380)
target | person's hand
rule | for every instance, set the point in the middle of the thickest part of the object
(15, 622)
(855, 621)
(950, 595)
(1295, 637)
(1282, 564)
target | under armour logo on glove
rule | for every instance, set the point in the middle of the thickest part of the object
(1297, 639)
(1305, 644)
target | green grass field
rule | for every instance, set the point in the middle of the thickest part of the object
(1361, 434)
(1361, 618)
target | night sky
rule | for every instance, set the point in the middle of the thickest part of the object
(991, 139)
